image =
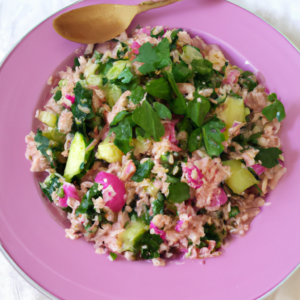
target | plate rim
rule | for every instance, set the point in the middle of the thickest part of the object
(27, 278)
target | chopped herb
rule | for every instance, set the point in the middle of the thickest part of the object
(268, 156)
(158, 205)
(174, 38)
(274, 110)
(178, 192)
(51, 184)
(143, 171)
(76, 63)
(113, 256)
(87, 206)
(119, 117)
(57, 96)
(125, 76)
(198, 109)
(137, 95)
(181, 72)
(234, 211)
(149, 244)
(159, 88)
(162, 111)
(160, 34)
(195, 140)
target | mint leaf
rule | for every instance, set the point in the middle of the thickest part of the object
(143, 171)
(274, 110)
(137, 95)
(268, 157)
(213, 137)
(149, 120)
(162, 111)
(234, 211)
(198, 109)
(195, 140)
(125, 75)
(123, 134)
(178, 192)
(159, 88)
(181, 72)
(119, 117)
(57, 96)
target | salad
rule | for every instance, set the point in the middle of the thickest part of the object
(156, 146)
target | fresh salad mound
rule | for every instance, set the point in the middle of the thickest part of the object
(156, 145)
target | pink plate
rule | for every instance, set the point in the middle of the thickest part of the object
(250, 266)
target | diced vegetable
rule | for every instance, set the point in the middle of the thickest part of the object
(241, 178)
(113, 94)
(94, 80)
(76, 157)
(117, 68)
(132, 234)
(90, 69)
(108, 151)
(190, 53)
(48, 118)
(55, 136)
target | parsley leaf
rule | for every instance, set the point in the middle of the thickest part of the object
(143, 171)
(123, 134)
(149, 245)
(154, 57)
(178, 192)
(83, 100)
(57, 96)
(162, 111)
(272, 97)
(50, 185)
(158, 205)
(197, 111)
(126, 75)
(119, 117)
(213, 137)
(146, 218)
(195, 140)
(76, 63)
(42, 144)
(160, 34)
(149, 120)
(87, 206)
(268, 157)
(159, 88)
(211, 235)
(121, 52)
(137, 95)
(234, 211)
(181, 72)
(274, 110)
(174, 38)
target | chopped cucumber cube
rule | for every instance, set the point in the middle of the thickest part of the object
(190, 53)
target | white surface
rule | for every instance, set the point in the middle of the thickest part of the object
(17, 17)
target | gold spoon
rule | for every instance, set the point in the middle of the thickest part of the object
(101, 22)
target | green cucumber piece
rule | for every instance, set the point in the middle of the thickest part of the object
(190, 53)
(76, 157)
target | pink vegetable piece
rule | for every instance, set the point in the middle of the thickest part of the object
(235, 124)
(158, 231)
(194, 177)
(115, 190)
(170, 132)
(219, 198)
(71, 98)
(70, 191)
(178, 225)
(232, 77)
(258, 169)
(281, 162)
(222, 130)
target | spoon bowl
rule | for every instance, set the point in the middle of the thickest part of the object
(101, 22)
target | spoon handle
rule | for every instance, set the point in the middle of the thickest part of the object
(144, 6)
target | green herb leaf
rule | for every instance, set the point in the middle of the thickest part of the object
(174, 38)
(162, 111)
(160, 34)
(158, 205)
(57, 96)
(211, 235)
(42, 144)
(185, 125)
(178, 192)
(113, 256)
(274, 110)
(121, 52)
(154, 57)
(197, 110)
(87, 206)
(51, 184)
(119, 117)
(268, 157)
(126, 75)
(146, 218)
(272, 97)
(202, 66)
(195, 140)
(159, 88)
(83, 99)
(149, 245)
(143, 171)
(76, 63)
(137, 95)
(149, 120)
(213, 137)
(234, 211)
(123, 134)
(181, 72)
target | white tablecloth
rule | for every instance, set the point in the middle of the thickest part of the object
(17, 17)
